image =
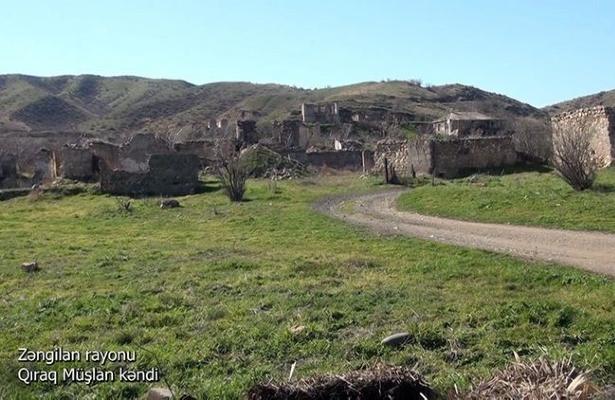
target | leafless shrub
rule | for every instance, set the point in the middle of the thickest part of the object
(232, 173)
(380, 382)
(574, 156)
(123, 205)
(537, 380)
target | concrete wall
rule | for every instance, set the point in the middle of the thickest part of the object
(168, 175)
(600, 121)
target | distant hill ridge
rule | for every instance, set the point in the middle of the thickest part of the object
(97, 105)
(605, 98)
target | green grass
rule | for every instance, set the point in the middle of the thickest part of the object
(209, 292)
(529, 198)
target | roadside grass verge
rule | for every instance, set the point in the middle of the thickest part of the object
(216, 292)
(527, 198)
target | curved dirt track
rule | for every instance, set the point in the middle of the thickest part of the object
(593, 251)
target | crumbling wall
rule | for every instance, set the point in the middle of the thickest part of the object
(598, 120)
(476, 128)
(135, 154)
(8, 170)
(203, 149)
(287, 132)
(452, 158)
(76, 163)
(294, 134)
(341, 160)
(106, 153)
(167, 175)
(326, 113)
(404, 156)
(245, 131)
(36, 168)
(444, 158)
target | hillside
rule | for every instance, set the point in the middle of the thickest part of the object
(100, 106)
(606, 98)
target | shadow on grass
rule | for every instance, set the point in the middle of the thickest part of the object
(515, 169)
(603, 188)
(208, 186)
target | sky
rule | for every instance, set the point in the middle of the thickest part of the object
(539, 51)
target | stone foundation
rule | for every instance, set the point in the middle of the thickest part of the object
(168, 175)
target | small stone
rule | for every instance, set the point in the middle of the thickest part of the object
(159, 394)
(30, 266)
(297, 329)
(398, 339)
(169, 203)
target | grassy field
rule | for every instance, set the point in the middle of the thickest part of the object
(214, 294)
(530, 198)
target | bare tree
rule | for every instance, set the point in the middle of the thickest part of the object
(231, 172)
(574, 154)
(532, 139)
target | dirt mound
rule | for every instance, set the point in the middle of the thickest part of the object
(382, 382)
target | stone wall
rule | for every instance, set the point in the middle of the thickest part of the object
(135, 153)
(167, 175)
(8, 170)
(78, 163)
(205, 150)
(452, 158)
(36, 168)
(600, 121)
(326, 113)
(445, 158)
(294, 134)
(341, 160)
(107, 153)
(404, 156)
(245, 131)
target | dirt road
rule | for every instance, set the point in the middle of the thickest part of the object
(592, 251)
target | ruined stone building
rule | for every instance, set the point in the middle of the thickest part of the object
(598, 121)
(8, 170)
(245, 131)
(166, 175)
(445, 158)
(468, 124)
(326, 113)
(144, 165)
(77, 163)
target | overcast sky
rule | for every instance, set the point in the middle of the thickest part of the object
(539, 52)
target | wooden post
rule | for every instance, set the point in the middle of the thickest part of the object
(386, 170)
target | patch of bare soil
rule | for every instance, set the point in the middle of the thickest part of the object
(592, 251)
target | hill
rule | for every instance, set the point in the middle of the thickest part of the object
(606, 98)
(112, 106)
